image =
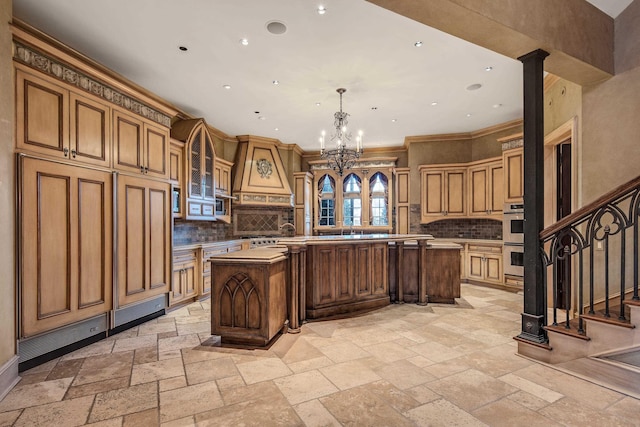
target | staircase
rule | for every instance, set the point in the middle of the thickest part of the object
(596, 251)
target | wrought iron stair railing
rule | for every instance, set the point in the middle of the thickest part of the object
(594, 251)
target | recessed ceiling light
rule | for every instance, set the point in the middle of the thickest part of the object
(183, 48)
(317, 104)
(276, 129)
(374, 108)
(322, 10)
(433, 104)
(488, 68)
(226, 86)
(394, 120)
(469, 114)
(262, 118)
(276, 27)
(244, 42)
(474, 86)
(275, 82)
(418, 44)
(497, 105)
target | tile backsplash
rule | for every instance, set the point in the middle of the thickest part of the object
(462, 228)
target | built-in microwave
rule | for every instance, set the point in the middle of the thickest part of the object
(513, 224)
(220, 207)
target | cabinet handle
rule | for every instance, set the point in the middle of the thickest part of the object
(73, 153)
(65, 151)
(146, 169)
(141, 169)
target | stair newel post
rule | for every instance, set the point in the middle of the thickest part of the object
(535, 306)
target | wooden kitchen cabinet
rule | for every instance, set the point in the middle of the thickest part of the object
(513, 164)
(200, 195)
(302, 203)
(484, 264)
(176, 176)
(486, 192)
(54, 120)
(184, 284)
(443, 192)
(403, 205)
(222, 180)
(66, 244)
(144, 241)
(139, 146)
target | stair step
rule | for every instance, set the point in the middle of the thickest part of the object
(633, 302)
(572, 331)
(611, 320)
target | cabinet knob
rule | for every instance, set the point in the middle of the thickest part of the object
(73, 153)
(141, 169)
(65, 150)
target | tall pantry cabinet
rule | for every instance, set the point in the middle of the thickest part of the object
(94, 200)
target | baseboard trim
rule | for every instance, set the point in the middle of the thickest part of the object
(9, 376)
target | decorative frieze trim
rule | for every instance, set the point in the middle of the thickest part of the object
(360, 164)
(80, 80)
(514, 143)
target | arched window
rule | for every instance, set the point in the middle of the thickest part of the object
(378, 185)
(326, 201)
(352, 201)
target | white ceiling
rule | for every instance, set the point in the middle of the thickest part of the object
(356, 45)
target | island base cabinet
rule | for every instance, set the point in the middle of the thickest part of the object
(249, 297)
(346, 278)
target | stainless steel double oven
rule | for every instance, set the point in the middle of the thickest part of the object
(513, 237)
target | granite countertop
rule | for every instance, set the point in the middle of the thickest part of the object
(264, 255)
(205, 244)
(472, 241)
(351, 238)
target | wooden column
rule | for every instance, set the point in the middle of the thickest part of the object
(294, 286)
(422, 275)
(399, 264)
(533, 317)
(302, 283)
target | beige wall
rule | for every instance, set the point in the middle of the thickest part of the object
(7, 191)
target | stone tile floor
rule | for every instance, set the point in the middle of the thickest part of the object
(401, 365)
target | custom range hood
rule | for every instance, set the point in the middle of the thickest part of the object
(260, 178)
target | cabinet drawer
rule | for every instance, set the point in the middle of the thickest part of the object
(485, 249)
(180, 257)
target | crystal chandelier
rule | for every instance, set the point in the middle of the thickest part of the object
(341, 157)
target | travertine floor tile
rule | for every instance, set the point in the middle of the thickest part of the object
(306, 386)
(442, 413)
(124, 401)
(149, 418)
(97, 387)
(189, 400)
(565, 411)
(155, 371)
(403, 374)
(104, 367)
(400, 365)
(349, 374)
(357, 407)
(66, 413)
(209, 370)
(35, 394)
(314, 414)
(471, 389)
(263, 370)
(507, 413)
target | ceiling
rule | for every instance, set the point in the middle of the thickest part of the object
(394, 89)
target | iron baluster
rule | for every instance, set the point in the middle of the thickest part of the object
(607, 229)
(567, 307)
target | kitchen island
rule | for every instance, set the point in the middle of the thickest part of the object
(328, 276)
